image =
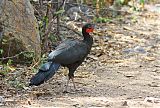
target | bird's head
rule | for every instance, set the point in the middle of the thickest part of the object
(88, 28)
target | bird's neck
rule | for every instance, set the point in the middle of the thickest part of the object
(87, 39)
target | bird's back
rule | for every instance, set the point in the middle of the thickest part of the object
(69, 52)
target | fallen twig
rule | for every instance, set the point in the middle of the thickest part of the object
(16, 55)
(71, 30)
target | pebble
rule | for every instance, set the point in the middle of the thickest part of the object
(2, 100)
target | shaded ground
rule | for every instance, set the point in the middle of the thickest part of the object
(123, 70)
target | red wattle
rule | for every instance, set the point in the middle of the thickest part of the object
(89, 30)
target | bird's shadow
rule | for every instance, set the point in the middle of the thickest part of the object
(73, 91)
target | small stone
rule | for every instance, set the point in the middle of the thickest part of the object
(154, 84)
(2, 100)
(129, 75)
(125, 103)
(152, 100)
(29, 102)
(76, 105)
(154, 70)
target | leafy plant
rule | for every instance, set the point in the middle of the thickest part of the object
(16, 83)
(43, 23)
(29, 55)
(53, 37)
(59, 12)
(6, 68)
(1, 51)
(142, 1)
(103, 20)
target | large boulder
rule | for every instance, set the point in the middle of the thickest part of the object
(20, 29)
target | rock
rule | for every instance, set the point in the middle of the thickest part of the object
(20, 28)
(29, 102)
(127, 51)
(2, 100)
(152, 100)
(153, 8)
(154, 84)
(137, 49)
(75, 13)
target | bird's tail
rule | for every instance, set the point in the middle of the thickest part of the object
(45, 72)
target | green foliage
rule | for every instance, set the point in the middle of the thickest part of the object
(34, 70)
(85, 1)
(46, 20)
(134, 19)
(142, 1)
(101, 3)
(1, 51)
(4, 41)
(43, 58)
(43, 23)
(16, 83)
(59, 12)
(121, 1)
(28, 55)
(103, 20)
(6, 68)
(94, 2)
(52, 38)
(9, 62)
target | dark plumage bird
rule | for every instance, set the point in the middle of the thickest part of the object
(70, 54)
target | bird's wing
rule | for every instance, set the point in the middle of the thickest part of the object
(69, 52)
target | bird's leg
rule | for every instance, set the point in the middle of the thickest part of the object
(66, 89)
(70, 76)
(74, 85)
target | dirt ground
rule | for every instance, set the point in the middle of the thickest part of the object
(122, 71)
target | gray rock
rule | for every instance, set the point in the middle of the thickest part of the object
(139, 49)
(20, 26)
(75, 12)
(127, 51)
(2, 100)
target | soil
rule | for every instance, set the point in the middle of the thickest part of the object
(122, 71)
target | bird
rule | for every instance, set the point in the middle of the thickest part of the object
(70, 53)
